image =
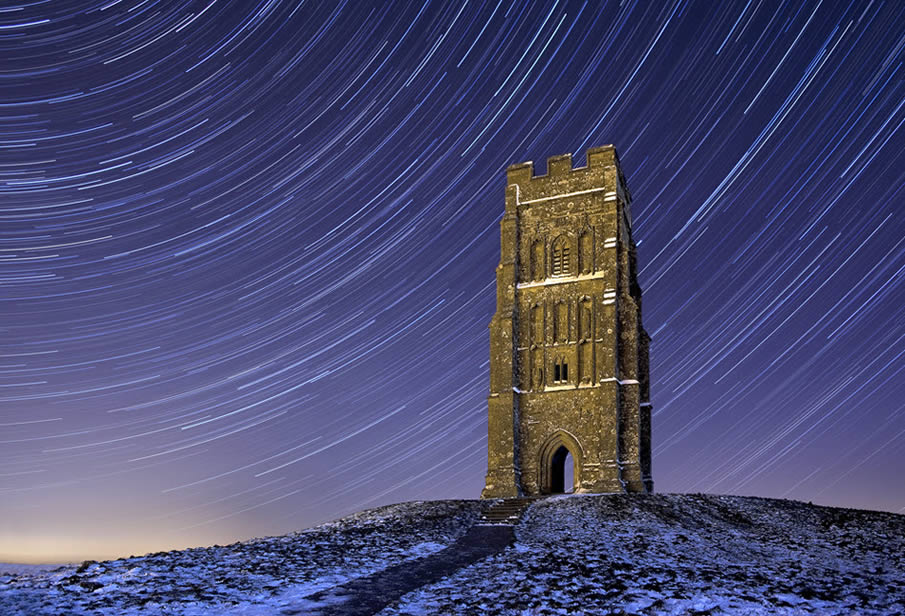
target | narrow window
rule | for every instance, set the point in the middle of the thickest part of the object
(560, 257)
(560, 371)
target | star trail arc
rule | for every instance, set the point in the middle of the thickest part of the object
(247, 249)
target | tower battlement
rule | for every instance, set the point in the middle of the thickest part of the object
(561, 177)
(561, 166)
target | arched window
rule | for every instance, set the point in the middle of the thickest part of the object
(561, 257)
(560, 371)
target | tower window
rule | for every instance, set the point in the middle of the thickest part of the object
(560, 257)
(560, 371)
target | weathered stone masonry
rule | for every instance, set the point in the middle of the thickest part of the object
(568, 352)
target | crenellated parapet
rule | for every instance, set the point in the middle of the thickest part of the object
(601, 173)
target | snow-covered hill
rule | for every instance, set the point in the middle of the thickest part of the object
(254, 577)
(601, 554)
(683, 554)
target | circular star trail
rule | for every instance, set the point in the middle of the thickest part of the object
(247, 250)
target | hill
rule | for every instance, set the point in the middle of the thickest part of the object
(591, 554)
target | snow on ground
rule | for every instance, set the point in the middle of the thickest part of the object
(682, 554)
(19, 569)
(252, 578)
(601, 554)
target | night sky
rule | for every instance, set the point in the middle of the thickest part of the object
(247, 250)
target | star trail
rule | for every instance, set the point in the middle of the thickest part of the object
(247, 250)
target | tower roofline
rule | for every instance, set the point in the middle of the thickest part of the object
(561, 165)
(560, 170)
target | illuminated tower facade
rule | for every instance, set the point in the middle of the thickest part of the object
(569, 374)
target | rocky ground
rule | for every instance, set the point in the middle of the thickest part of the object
(601, 554)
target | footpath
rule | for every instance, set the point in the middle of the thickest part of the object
(367, 595)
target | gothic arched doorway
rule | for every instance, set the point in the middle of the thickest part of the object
(562, 477)
(560, 464)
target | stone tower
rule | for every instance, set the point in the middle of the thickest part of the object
(568, 354)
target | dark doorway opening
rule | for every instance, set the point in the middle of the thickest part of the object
(562, 479)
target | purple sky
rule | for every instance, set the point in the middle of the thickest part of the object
(247, 250)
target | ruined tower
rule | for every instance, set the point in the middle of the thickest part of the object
(568, 354)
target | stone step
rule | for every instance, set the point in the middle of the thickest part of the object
(505, 512)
